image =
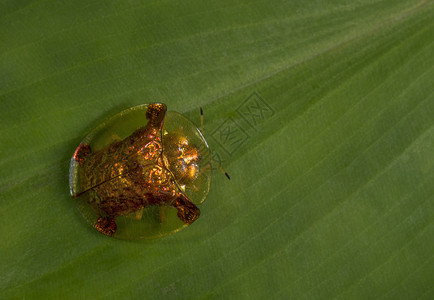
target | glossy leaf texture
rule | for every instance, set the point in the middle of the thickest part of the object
(322, 112)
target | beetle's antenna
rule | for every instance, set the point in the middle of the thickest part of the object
(220, 168)
(201, 120)
(212, 159)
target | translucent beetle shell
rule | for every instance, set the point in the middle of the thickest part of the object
(142, 173)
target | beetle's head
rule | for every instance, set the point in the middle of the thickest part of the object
(182, 157)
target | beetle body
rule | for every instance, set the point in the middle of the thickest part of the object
(143, 179)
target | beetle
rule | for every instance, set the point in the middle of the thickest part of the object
(142, 173)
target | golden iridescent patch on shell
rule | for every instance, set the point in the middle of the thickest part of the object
(142, 173)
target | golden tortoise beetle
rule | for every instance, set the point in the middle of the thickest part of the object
(142, 173)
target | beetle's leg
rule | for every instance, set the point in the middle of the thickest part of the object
(81, 152)
(138, 214)
(187, 211)
(115, 138)
(161, 215)
(106, 225)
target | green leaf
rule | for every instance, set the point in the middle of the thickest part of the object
(322, 112)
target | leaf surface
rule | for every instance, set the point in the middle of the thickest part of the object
(321, 112)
